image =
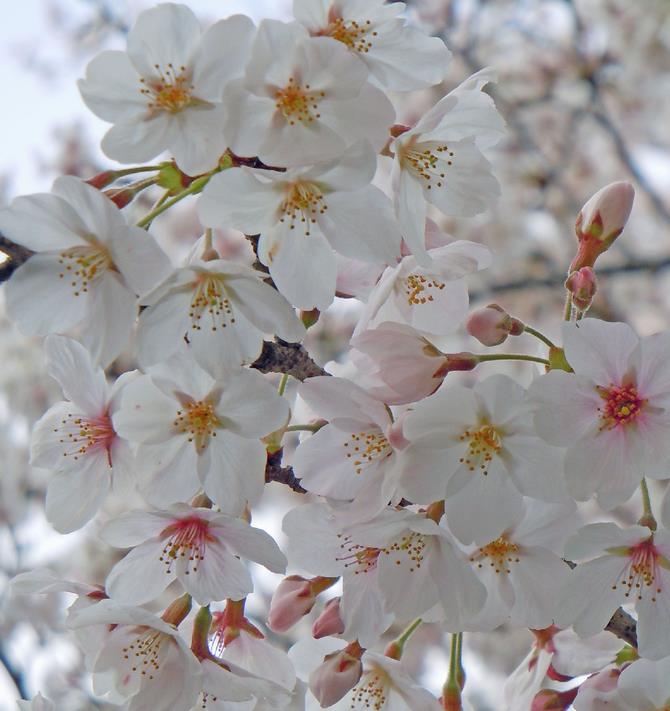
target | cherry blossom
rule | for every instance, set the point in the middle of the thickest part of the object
(477, 447)
(611, 414)
(622, 566)
(303, 215)
(77, 439)
(399, 57)
(89, 266)
(222, 308)
(199, 547)
(38, 703)
(440, 160)
(165, 92)
(194, 430)
(302, 99)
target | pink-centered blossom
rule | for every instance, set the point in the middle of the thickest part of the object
(302, 99)
(77, 440)
(165, 92)
(88, 268)
(198, 547)
(612, 414)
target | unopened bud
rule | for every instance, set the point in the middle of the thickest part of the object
(329, 622)
(173, 179)
(492, 324)
(451, 699)
(601, 221)
(121, 196)
(456, 362)
(102, 180)
(549, 699)
(178, 611)
(337, 675)
(292, 600)
(583, 285)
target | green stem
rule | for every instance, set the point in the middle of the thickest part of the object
(454, 659)
(303, 428)
(282, 384)
(540, 336)
(402, 638)
(647, 518)
(197, 185)
(139, 169)
(512, 356)
(567, 313)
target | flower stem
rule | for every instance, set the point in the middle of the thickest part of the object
(282, 384)
(196, 186)
(540, 336)
(567, 314)
(139, 169)
(647, 519)
(396, 648)
(451, 692)
(512, 356)
(303, 428)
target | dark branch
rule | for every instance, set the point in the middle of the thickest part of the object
(17, 256)
(274, 471)
(624, 627)
(291, 358)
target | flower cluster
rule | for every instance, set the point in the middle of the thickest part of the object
(429, 499)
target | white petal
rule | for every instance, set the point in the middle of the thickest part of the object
(139, 258)
(250, 543)
(218, 576)
(141, 576)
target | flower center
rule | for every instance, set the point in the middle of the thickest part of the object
(146, 652)
(199, 420)
(500, 553)
(640, 576)
(83, 436)
(83, 265)
(622, 405)
(209, 296)
(186, 541)
(410, 548)
(297, 103)
(361, 558)
(365, 448)
(170, 92)
(483, 445)
(370, 692)
(418, 289)
(426, 161)
(304, 203)
(351, 33)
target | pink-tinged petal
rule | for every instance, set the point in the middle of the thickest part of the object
(339, 398)
(40, 301)
(410, 207)
(303, 267)
(352, 170)
(111, 316)
(313, 15)
(566, 407)
(594, 539)
(250, 543)
(111, 88)
(439, 420)
(650, 443)
(502, 398)
(575, 656)
(146, 414)
(218, 681)
(69, 363)
(330, 68)
(426, 472)
(526, 680)
(98, 213)
(588, 599)
(537, 469)
(272, 56)
(259, 657)
(167, 472)
(232, 471)
(74, 497)
(180, 373)
(218, 576)
(141, 576)
(48, 449)
(140, 141)
(645, 682)
(138, 257)
(135, 527)
(361, 225)
(237, 198)
(438, 310)
(250, 406)
(313, 543)
(600, 350)
(652, 369)
(653, 619)
(162, 326)
(200, 143)
(166, 35)
(362, 608)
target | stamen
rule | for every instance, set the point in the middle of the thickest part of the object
(304, 203)
(297, 103)
(410, 548)
(640, 575)
(84, 265)
(426, 161)
(361, 558)
(146, 652)
(622, 406)
(199, 420)
(365, 448)
(483, 445)
(418, 289)
(210, 297)
(355, 35)
(187, 541)
(84, 436)
(501, 554)
(171, 92)
(370, 692)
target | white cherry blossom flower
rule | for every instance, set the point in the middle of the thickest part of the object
(77, 439)
(521, 572)
(434, 299)
(612, 413)
(399, 57)
(357, 455)
(221, 308)
(195, 430)
(304, 216)
(622, 566)
(38, 703)
(165, 92)
(199, 547)
(150, 665)
(477, 447)
(303, 99)
(440, 160)
(88, 268)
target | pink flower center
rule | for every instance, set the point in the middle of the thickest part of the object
(365, 448)
(171, 92)
(297, 103)
(361, 558)
(83, 265)
(199, 420)
(641, 575)
(84, 436)
(186, 540)
(483, 445)
(500, 553)
(622, 405)
(209, 296)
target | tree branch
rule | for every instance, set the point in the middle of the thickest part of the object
(282, 357)
(274, 471)
(16, 254)
(624, 627)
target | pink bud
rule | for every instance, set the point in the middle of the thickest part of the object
(329, 622)
(583, 285)
(338, 674)
(601, 221)
(492, 324)
(548, 699)
(291, 601)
